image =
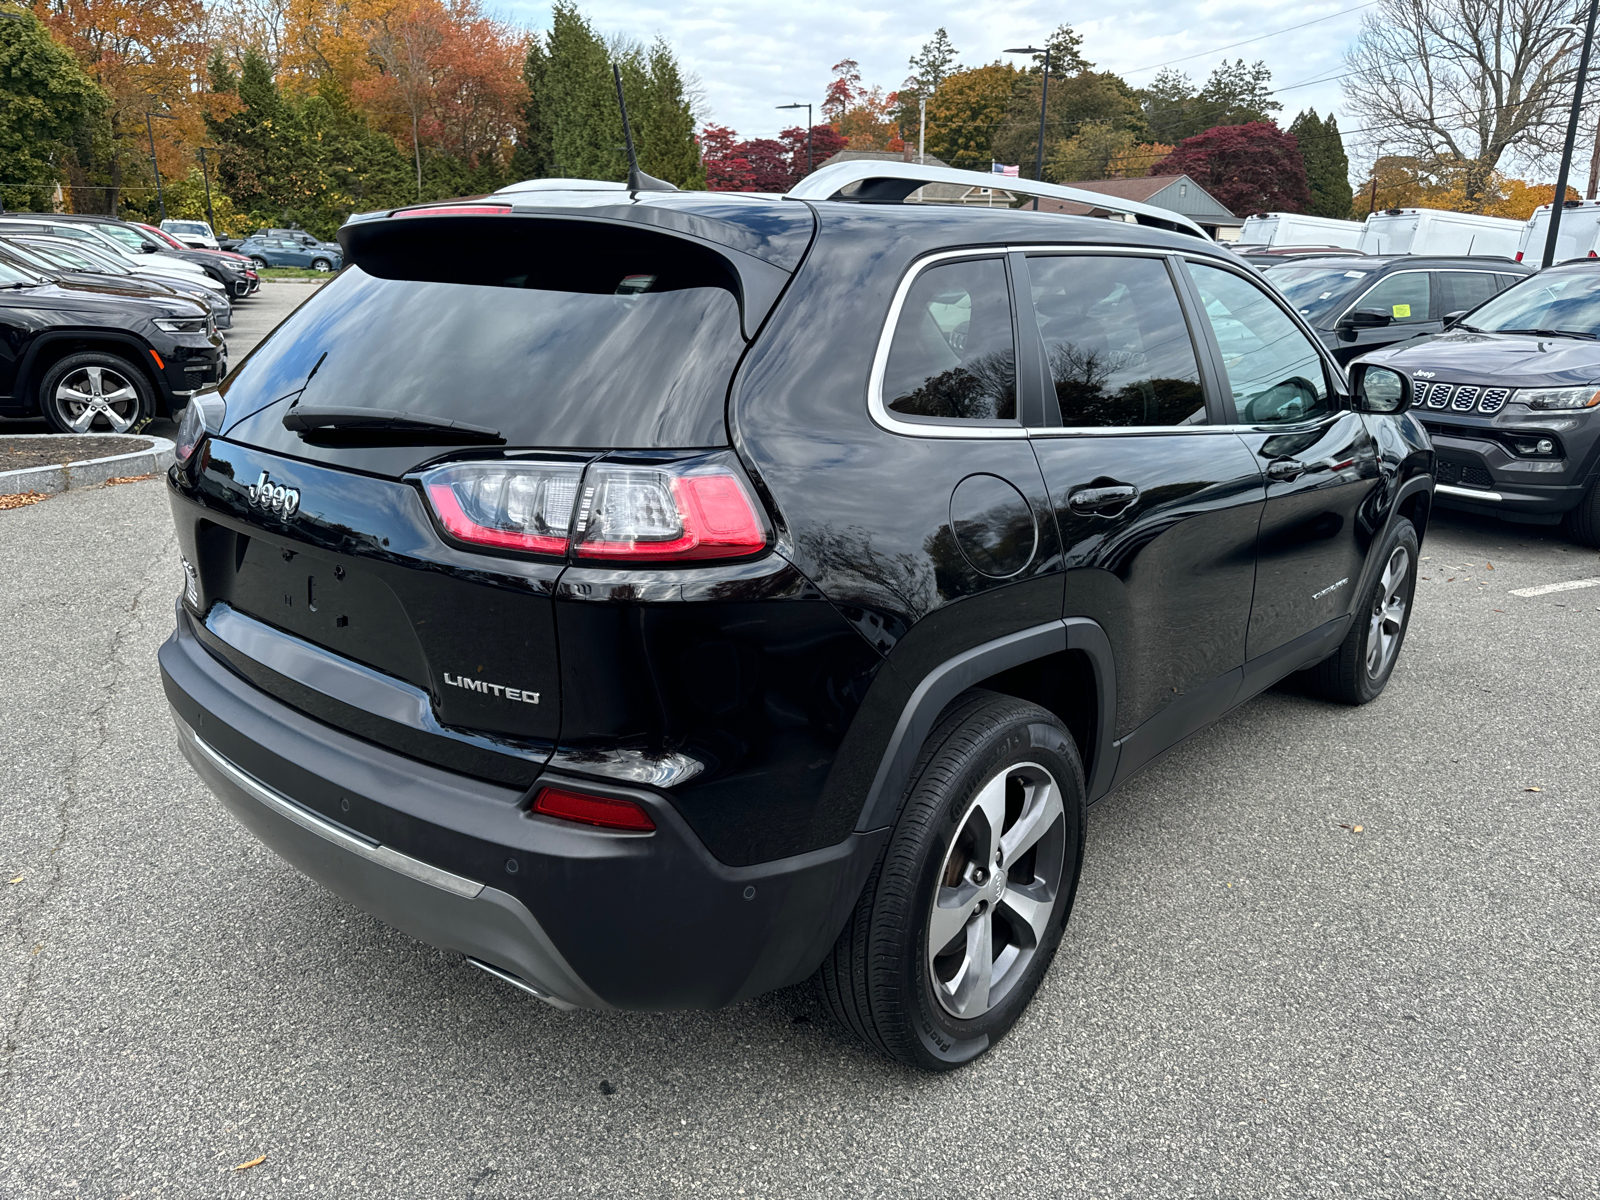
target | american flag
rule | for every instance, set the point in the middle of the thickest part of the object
(1002, 169)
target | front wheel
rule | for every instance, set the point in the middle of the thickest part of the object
(963, 913)
(94, 388)
(321, 264)
(1359, 669)
(1583, 522)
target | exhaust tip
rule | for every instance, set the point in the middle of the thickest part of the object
(517, 981)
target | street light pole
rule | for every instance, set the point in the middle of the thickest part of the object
(1559, 200)
(1044, 100)
(807, 107)
(150, 129)
(211, 217)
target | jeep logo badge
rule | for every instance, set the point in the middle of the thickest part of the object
(274, 497)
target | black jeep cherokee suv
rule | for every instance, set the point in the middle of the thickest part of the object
(664, 599)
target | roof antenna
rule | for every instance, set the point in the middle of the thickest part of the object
(638, 181)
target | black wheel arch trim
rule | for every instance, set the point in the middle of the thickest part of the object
(939, 687)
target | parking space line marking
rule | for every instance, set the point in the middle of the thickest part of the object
(1570, 585)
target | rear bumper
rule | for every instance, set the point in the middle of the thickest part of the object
(582, 917)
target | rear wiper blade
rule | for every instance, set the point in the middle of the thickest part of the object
(340, 421)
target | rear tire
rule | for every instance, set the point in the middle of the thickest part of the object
(1359, 669)
(261, 263)
(1583, 522)
(963, 912)
(321, 264)
(94, 388)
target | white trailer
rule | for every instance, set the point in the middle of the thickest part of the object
(1577, 237)
(1298, 229)
(1439, 231)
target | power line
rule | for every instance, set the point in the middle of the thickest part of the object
(1249, 41)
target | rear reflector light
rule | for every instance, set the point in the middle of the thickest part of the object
(669, 512)
(507, 506)
(651, 514)
(592, 810)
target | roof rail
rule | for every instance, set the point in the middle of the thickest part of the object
(891, 182)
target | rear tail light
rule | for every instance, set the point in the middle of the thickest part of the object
(1519, 255)
(512, 506)
(593, 810)
(654, 513)
(620, 512)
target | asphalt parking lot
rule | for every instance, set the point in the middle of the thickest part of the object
(1253, 997)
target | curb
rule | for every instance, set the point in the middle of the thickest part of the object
(63, 477)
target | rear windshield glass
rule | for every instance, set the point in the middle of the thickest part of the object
(604, 341)
(1316, 292)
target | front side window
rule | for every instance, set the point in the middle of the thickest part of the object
(131, 238)
(1404, 297)
(1116, 342)
(953, 356)
(1274, 371)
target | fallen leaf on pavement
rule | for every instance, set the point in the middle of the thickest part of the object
(1533, 789)
(22, 499)
(1452, 579)
(1489, 565)
(128, 479)
(1355, 829)
(254, 1162)
(18, 879)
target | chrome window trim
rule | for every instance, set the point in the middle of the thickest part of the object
(884, 419)
(1416, 271)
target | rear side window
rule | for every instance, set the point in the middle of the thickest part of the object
(1459, 291)
(1116, 342)
(556, 334)
(954, 354)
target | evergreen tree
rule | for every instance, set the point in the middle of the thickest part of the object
(1327, 168)
(266, 161)
(1236, 94)
(1166, 103)
(362, 168)
(930, 67)
(578, 100)
(665, 129)
(534, 156)
(47, 106)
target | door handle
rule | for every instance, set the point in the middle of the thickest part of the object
(1106, 501)
(1285, 469)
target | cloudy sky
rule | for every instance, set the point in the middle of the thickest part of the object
(751, 55)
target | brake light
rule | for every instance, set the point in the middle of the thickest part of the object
(669, 512)
(593, 810)
(456, 210)
(649, 514)
(1519, 255)
(507, 506)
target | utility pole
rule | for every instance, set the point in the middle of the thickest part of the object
(1594, 165)
(922, 130)
(1559, 200)
(1044, 101)
(211, 217)
(150, 129)
(807, 107)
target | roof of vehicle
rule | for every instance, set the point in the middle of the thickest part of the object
(776, 230)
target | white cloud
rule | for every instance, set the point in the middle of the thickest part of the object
(752, 56)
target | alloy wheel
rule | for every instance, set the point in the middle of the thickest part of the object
(93, 391)
(997, 890)
(1388, 616)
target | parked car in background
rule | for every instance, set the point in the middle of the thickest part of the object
(1357, 305)
(900, 535)
(289, 252)
(194, 234)
(138, 240)
(1437, 231)
(66, 254)
(86, 358)
(1578, 235)
(1264, 256)
(1511, 397)
(251, 282)
(1299, 229)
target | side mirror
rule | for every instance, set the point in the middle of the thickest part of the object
(1452, 317)
(1376, 389)
(148, 248)
(1367, 318)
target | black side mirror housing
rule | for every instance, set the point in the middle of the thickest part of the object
(1452, 317)
(1380, 390)
(1367, 318)
(148, 248)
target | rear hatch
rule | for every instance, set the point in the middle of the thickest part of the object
(496, 346)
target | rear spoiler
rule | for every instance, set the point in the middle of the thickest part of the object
(891, 182)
